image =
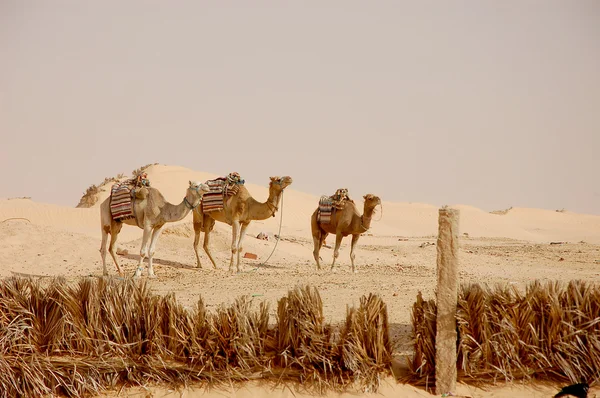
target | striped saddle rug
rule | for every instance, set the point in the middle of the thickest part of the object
(329, 204)
(214, 200)
(121, 204)
(326, 210)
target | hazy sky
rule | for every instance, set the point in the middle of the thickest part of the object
(487, 103)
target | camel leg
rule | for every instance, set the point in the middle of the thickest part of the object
(115, 228)
(235, 231)
(105, 231)
(197, 231)
(143, 251)
(207, 248)
(240, 243)
(352, 245)
(336, 252)
(155, 234)
(318, 239)
(207, 226)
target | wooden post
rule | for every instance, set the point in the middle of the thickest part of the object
(446, 297)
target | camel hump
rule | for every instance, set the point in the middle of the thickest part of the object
(340, 198)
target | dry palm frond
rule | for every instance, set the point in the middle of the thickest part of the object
(304, 341)
(82, 338)
(240, 334)
(550, 330)
(422, 366)
(365, 345)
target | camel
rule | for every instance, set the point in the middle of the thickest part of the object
(344, 222)
(151, 212)
(238, 210)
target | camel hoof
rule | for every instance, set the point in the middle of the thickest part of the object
(152, 276)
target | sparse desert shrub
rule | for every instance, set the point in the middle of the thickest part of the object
(90, 196)
(501, 212)
(108, 180)
(139, 171)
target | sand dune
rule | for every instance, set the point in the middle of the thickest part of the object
(399, 219)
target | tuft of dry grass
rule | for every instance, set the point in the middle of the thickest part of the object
(85, 337)
(550, 330)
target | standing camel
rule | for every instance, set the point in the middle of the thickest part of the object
(344, 222)
(151, 214)
(238, 210)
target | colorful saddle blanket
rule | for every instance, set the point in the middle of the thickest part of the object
(121, 203)
(325, 210)
(220, 188)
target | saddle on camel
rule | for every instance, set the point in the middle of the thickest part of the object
(329, 204)
(122, 194)
(220, 188)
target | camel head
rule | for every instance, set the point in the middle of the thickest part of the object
(280, 182)
(371, 201)
(194, 193)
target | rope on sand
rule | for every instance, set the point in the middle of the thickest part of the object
(16, 218)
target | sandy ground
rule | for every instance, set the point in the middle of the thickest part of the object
(396, 260)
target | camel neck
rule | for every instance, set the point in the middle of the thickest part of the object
(175, 212)
(262, 211)
(366, 217)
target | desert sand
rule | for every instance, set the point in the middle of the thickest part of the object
(395, 259)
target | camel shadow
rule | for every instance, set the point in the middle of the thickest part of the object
(26, 275)
(167, 263)
(402, 339)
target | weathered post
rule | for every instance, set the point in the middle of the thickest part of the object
(446, 297)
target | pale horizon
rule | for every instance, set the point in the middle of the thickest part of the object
(490, 104)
